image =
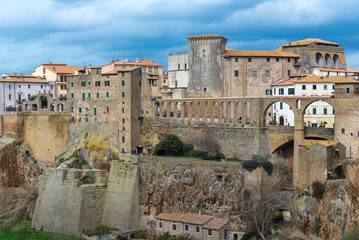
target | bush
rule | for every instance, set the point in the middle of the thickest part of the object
(171, 145)
(268, 167)
(119, 237)
(258, 158)
(32, 97)
(249, 235)
(186, 236)
(318, 189)
(164, 236)
(249, 165)
(219, 156)
(100, 230)
(187, 149)
(351, 235)
(139, 235)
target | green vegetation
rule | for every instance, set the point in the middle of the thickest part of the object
(258, 161)
(233, 160)
(62, 98)
(278, 217)
(170, 146)
(249, 235)
(318, 189)
(167, 236)
(100, 230)
(20, 230)
(32, 97)
(119, 237)
(139, 235)
(351, 235)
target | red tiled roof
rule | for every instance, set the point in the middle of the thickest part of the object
(308, 41)
(216, 223)
(348, 69)
(56, 68)
(185, 218)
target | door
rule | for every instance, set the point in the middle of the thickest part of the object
(281, 120)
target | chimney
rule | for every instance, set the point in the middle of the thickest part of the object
(50, 62)
(22, 77)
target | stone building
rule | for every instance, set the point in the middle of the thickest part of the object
(321, 160)
(199, 226)
(56, 73)
(109, 97)
(315, 52)
(16, 88)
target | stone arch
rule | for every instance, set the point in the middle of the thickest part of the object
(34, 107)
(43, 102)
(284, 150)
(247, 113)
(52, 107)
(184, 110)
(223, 111)
(297, 103)
(27, 107)
(208, 111)
(215, 109)
(336, 60)
(235, 236)
(286, 112)
(60, 107)
(318, 113)
(328, 60)
(239, 108)
(319, 59)
(157, 109)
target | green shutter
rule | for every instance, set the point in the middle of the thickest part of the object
(72, 95)
(94, 111)
(79, 110)
(83, 96)
(98, 71)
(123, 82)
(72, 84)
(89, 83)
(123, 94)
(107, 94)
(98, 95)
(89, 95)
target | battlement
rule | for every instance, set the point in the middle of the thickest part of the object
(178, 53)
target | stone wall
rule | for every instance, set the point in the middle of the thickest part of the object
(235, 142)
(47, 135)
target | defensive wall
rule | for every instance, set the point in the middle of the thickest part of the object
(71, 200)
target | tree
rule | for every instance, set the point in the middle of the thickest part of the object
(171, 145)
(263, 206)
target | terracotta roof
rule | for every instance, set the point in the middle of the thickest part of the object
(308, 41)
(325, 79)
(287, 82)
(56, 68)
(185, 218)
(118, 69)
(216, 223)
(308, 143)
(25, 80)
(348, 69)
(257, 53)
(206, 36)
(17, 75)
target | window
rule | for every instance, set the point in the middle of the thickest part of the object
(98, 71)
(89, 83)
(98, 95)
(42, 86)
(268, 59)
(72, 84)
(107, 94)
(289, 60)
(236, 73)
(123, 94)
(89, 95)
(304, 87)
(123, 120)
(44, 70)
(204, 89)
(268, 92)
(325, 111)
(314, 87)
(209, 232)
(275, 91)
(281, 106)
(325, 87)
(185, 66)
(83, 96)
(281, 91)
(9, 96)
(249, 59)
(123, 110)
(123, 74)
(107, 83)
(277, 59)
(290, 91)
(156, 70)
(254, 74)
(343, 130)
(97, 83)
(83, 84)
(288, 73)
(197, 229)
(9, 86)
(72, 95)
(94, 111)
(204, 53)
(186, 228)
(160, 224)
(123, 139)
(348, 91)
(19, 86)
(80, 110)
(123, 83)
(28, 86)
(267, 73)
(236, 59)
(314, 111)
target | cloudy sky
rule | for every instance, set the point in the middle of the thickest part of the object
(84, 32)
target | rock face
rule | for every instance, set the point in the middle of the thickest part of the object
(174, 185)
(337, 209)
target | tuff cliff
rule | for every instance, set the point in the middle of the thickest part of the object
(337, 210)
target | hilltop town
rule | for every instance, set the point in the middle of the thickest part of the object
(224, 144)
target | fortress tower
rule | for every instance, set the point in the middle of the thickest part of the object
(205, 63)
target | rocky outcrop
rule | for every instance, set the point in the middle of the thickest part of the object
(336, 212)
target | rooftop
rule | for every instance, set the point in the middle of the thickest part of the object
(316, 79)
(216, 223)
(257, 53)
(308, 41)
(185, 218)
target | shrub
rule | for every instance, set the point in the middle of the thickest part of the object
(100, 230)
(249, 165)
(186, 236)
(139, 235)
(258, 158)
(351, 235)
(83, 162)
(32, 97)
(268, 167)
(318, 189)
(119, 237)
(219, 156)
(171, 145)
(249, 235)
(164, 236)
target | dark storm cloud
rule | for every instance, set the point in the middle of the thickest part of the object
(93, 32)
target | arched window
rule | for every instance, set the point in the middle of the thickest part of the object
(319, 59)
(336, 60)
